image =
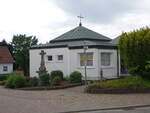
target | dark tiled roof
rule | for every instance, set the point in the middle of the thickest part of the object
(5, 55)
(76, 37)
(116, 40)
(81, 33)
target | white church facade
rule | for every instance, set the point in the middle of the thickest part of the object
(66, 53)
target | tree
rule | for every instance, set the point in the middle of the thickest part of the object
(21, 45)
(135, 51)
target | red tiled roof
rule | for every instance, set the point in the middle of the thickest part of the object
(5, 55)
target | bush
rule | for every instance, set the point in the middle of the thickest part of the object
(17, 73)
(56, 81)
(15, 81)
(56, 73)
(9, 82)
(44, 79)
(19, 81)
(33, 81)
(2, 82)
(3, 77)
(134, 51)
(75, 77)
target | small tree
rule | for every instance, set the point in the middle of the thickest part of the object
(21, 45)
(135, 51)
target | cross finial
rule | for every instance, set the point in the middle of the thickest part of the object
(80, 17)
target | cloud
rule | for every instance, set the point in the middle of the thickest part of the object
(97, 11)
(48, 19)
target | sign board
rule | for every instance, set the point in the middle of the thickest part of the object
(85, 58)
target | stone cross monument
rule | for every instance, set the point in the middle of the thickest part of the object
(42, 67)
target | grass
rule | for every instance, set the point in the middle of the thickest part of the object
(129, 82)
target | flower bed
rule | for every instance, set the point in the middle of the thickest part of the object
(51, 87)
(47, 81)
(124, 85)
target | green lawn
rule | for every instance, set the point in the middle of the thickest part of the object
(129, 82)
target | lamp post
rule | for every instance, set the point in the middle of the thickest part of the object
(85, 47)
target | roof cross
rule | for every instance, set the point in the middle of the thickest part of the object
(80, 17)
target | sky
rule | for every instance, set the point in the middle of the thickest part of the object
(47, 19)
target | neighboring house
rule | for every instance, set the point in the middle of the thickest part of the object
(6, 59)
(66, 53)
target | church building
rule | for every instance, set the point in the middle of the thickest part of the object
(67, 53)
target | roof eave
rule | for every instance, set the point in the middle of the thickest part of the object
(52, 41)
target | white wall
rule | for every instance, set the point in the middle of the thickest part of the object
(71, 62)
(108, 71)
(92, 71)
(9, 67)
(35, 60)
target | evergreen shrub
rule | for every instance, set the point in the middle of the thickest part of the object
(75, 77)
(56, 73)
(44, 79)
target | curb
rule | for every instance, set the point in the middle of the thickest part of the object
(117, 90)
(114, 108)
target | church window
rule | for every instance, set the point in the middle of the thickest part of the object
(5, 68)
(88, 59)
(49, 58)
(105, 59)
(60, 57)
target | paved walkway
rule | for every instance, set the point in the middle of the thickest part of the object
(71, 99)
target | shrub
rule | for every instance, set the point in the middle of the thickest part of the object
(3, 77)
(15, 81)
(134, 51)
(19, 81)
(56, 73)
(2, 82)
(17, 73)
(75, 77)
(56, 81)
(9, 82)
(44, 79)
(33, 81)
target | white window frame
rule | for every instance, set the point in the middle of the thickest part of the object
(57, 56)
(49, 60)
(110, 62)
(4, 68)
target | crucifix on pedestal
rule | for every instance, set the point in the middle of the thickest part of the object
(42, 68)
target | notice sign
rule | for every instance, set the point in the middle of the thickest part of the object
(85, 58)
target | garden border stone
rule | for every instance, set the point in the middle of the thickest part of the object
(50, 87)
(117, 90)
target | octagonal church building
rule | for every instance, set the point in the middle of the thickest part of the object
(66, 53)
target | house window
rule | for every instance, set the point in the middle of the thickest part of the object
(5, 68)
(88, 57)
(105, 59)
(60, 57)
(50, 58)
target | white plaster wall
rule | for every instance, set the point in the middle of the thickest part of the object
(35, 60)
(71, 62)
(92, 71)
(109, 71)
(9, 66)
